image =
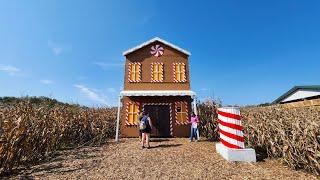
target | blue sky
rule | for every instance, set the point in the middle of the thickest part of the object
(243, 52)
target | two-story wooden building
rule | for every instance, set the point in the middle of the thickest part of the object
(156, 80)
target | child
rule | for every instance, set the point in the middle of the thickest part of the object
(194, 127)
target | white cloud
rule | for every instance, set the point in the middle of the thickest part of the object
(92, 94)
(9, 70)
(111, 90)
(58, 48)
(46, 81)
(104, 65)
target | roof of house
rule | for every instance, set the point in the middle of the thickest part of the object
(153, 40)
(294, 89)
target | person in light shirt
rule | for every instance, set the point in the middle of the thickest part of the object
(194, 127)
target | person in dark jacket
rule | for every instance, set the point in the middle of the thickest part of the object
(145, 127)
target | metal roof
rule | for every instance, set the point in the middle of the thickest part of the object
(153, 40)
(294, 89)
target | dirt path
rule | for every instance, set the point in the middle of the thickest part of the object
(168, 159)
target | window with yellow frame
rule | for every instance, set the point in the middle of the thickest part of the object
(157, 72)
(179, 70)
(181, 113)
(133, 113)
(134, 72)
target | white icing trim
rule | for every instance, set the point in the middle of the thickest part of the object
(129, 72)
(184, 71)
(167, 104)
(161, 73)
(153, 40)
(158, 93)
(127, 113)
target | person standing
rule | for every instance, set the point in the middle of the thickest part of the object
(194, 127)
(139, 121)
(145, 127)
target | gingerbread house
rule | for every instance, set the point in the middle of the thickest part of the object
(156, 80)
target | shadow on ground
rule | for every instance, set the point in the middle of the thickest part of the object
(55, 164)
(261, 154)
(165, 146)
(159, 140)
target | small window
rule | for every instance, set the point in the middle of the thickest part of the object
(134, 72)
(178, 109)
(156, 72)
(179, 70)
(133, 113)
(181, 113)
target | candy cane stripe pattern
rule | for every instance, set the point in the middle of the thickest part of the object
(170, 106)
(230, 128)
(159, 71)
(138, 72)
(176, 113)
(157, 50)
(171, 123)
(186, 113)
(183, 66)
(127, 113)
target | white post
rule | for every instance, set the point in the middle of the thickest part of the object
(118, 120)
(195, 105)
(196, 113)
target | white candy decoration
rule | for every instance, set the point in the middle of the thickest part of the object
(157, 50)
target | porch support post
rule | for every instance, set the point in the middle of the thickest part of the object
(195, 112)
(195, 105)
(118, 119)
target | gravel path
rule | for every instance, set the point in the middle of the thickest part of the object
(174, 158)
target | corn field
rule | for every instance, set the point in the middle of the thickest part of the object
(30, 133)
(291, 134)
(208, 126)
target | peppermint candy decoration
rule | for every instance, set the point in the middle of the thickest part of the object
(157, 50)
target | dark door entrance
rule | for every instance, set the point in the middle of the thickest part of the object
(160, 117)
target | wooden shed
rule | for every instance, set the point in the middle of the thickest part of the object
(156, 80)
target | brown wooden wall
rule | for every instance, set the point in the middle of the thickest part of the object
(169, 57)
(178, 130)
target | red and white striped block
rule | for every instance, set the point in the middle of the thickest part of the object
(230, 127)
(152, 79)
(129, 72)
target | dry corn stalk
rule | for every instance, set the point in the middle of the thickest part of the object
(29, 133)
(292, 134)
